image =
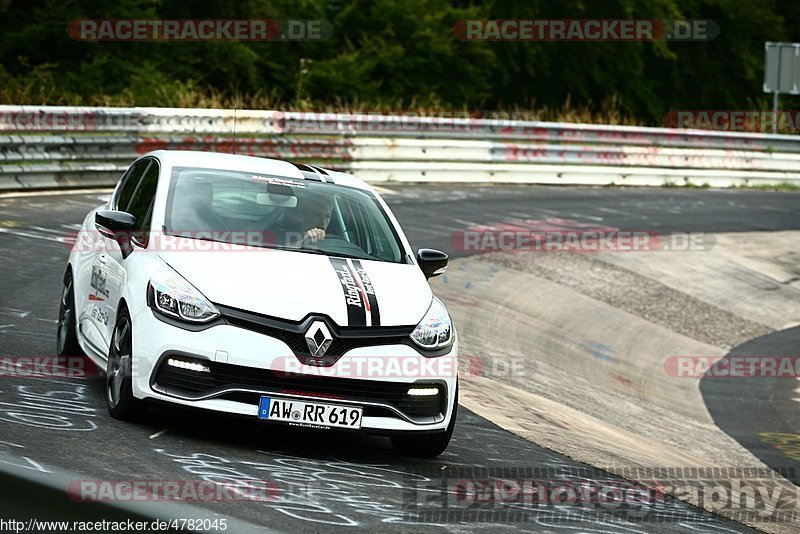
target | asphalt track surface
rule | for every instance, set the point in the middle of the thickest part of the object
(759, 402)
(430, 214)
(326, 480)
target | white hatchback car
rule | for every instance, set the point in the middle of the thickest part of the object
(260, 287)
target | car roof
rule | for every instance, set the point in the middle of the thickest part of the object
(239, 162)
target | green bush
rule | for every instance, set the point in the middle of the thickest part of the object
(397, 54)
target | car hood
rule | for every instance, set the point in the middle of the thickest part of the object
(291, 285)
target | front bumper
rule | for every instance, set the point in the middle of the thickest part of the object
(244, 364)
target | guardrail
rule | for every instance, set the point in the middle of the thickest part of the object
(46, 146)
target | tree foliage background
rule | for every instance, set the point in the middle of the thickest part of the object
(394, 54)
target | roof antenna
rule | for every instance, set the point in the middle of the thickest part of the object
(233, 145)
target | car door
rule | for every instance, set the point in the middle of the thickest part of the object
(90, 289)
(111, 263)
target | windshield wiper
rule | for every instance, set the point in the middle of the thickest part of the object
(199, 238)
(279, 247)
(335, 254)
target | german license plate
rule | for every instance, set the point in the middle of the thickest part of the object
(305, 413)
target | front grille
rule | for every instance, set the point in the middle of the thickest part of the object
(293, 333)
(223, 376)
(297, 342)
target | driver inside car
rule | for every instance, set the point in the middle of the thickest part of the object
(308, 222)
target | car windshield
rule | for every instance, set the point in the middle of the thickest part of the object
(279, 212)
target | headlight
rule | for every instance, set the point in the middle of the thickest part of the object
(169, 293)
(435, 330)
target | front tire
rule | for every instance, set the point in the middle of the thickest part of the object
(67, 335)
(429, 445)
(119, 383)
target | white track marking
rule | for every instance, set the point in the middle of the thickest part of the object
(584, 216)
(53, 193)
(14, 312)
(31, 235)
(797, 390)
(159, 433)
(55, 231)
(611, 210)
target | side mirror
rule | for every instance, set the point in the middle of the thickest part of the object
(116, 225)
(432, 262)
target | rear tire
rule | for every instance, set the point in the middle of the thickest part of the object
(67, 335)
(122, 404)
(428, 445)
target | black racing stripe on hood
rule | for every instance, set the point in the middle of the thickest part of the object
(369, 289)
(356, 311)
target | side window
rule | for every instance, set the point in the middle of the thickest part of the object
(142, 201)
(360, 223)
(368, 228)
(351, 223)
(129, 182)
